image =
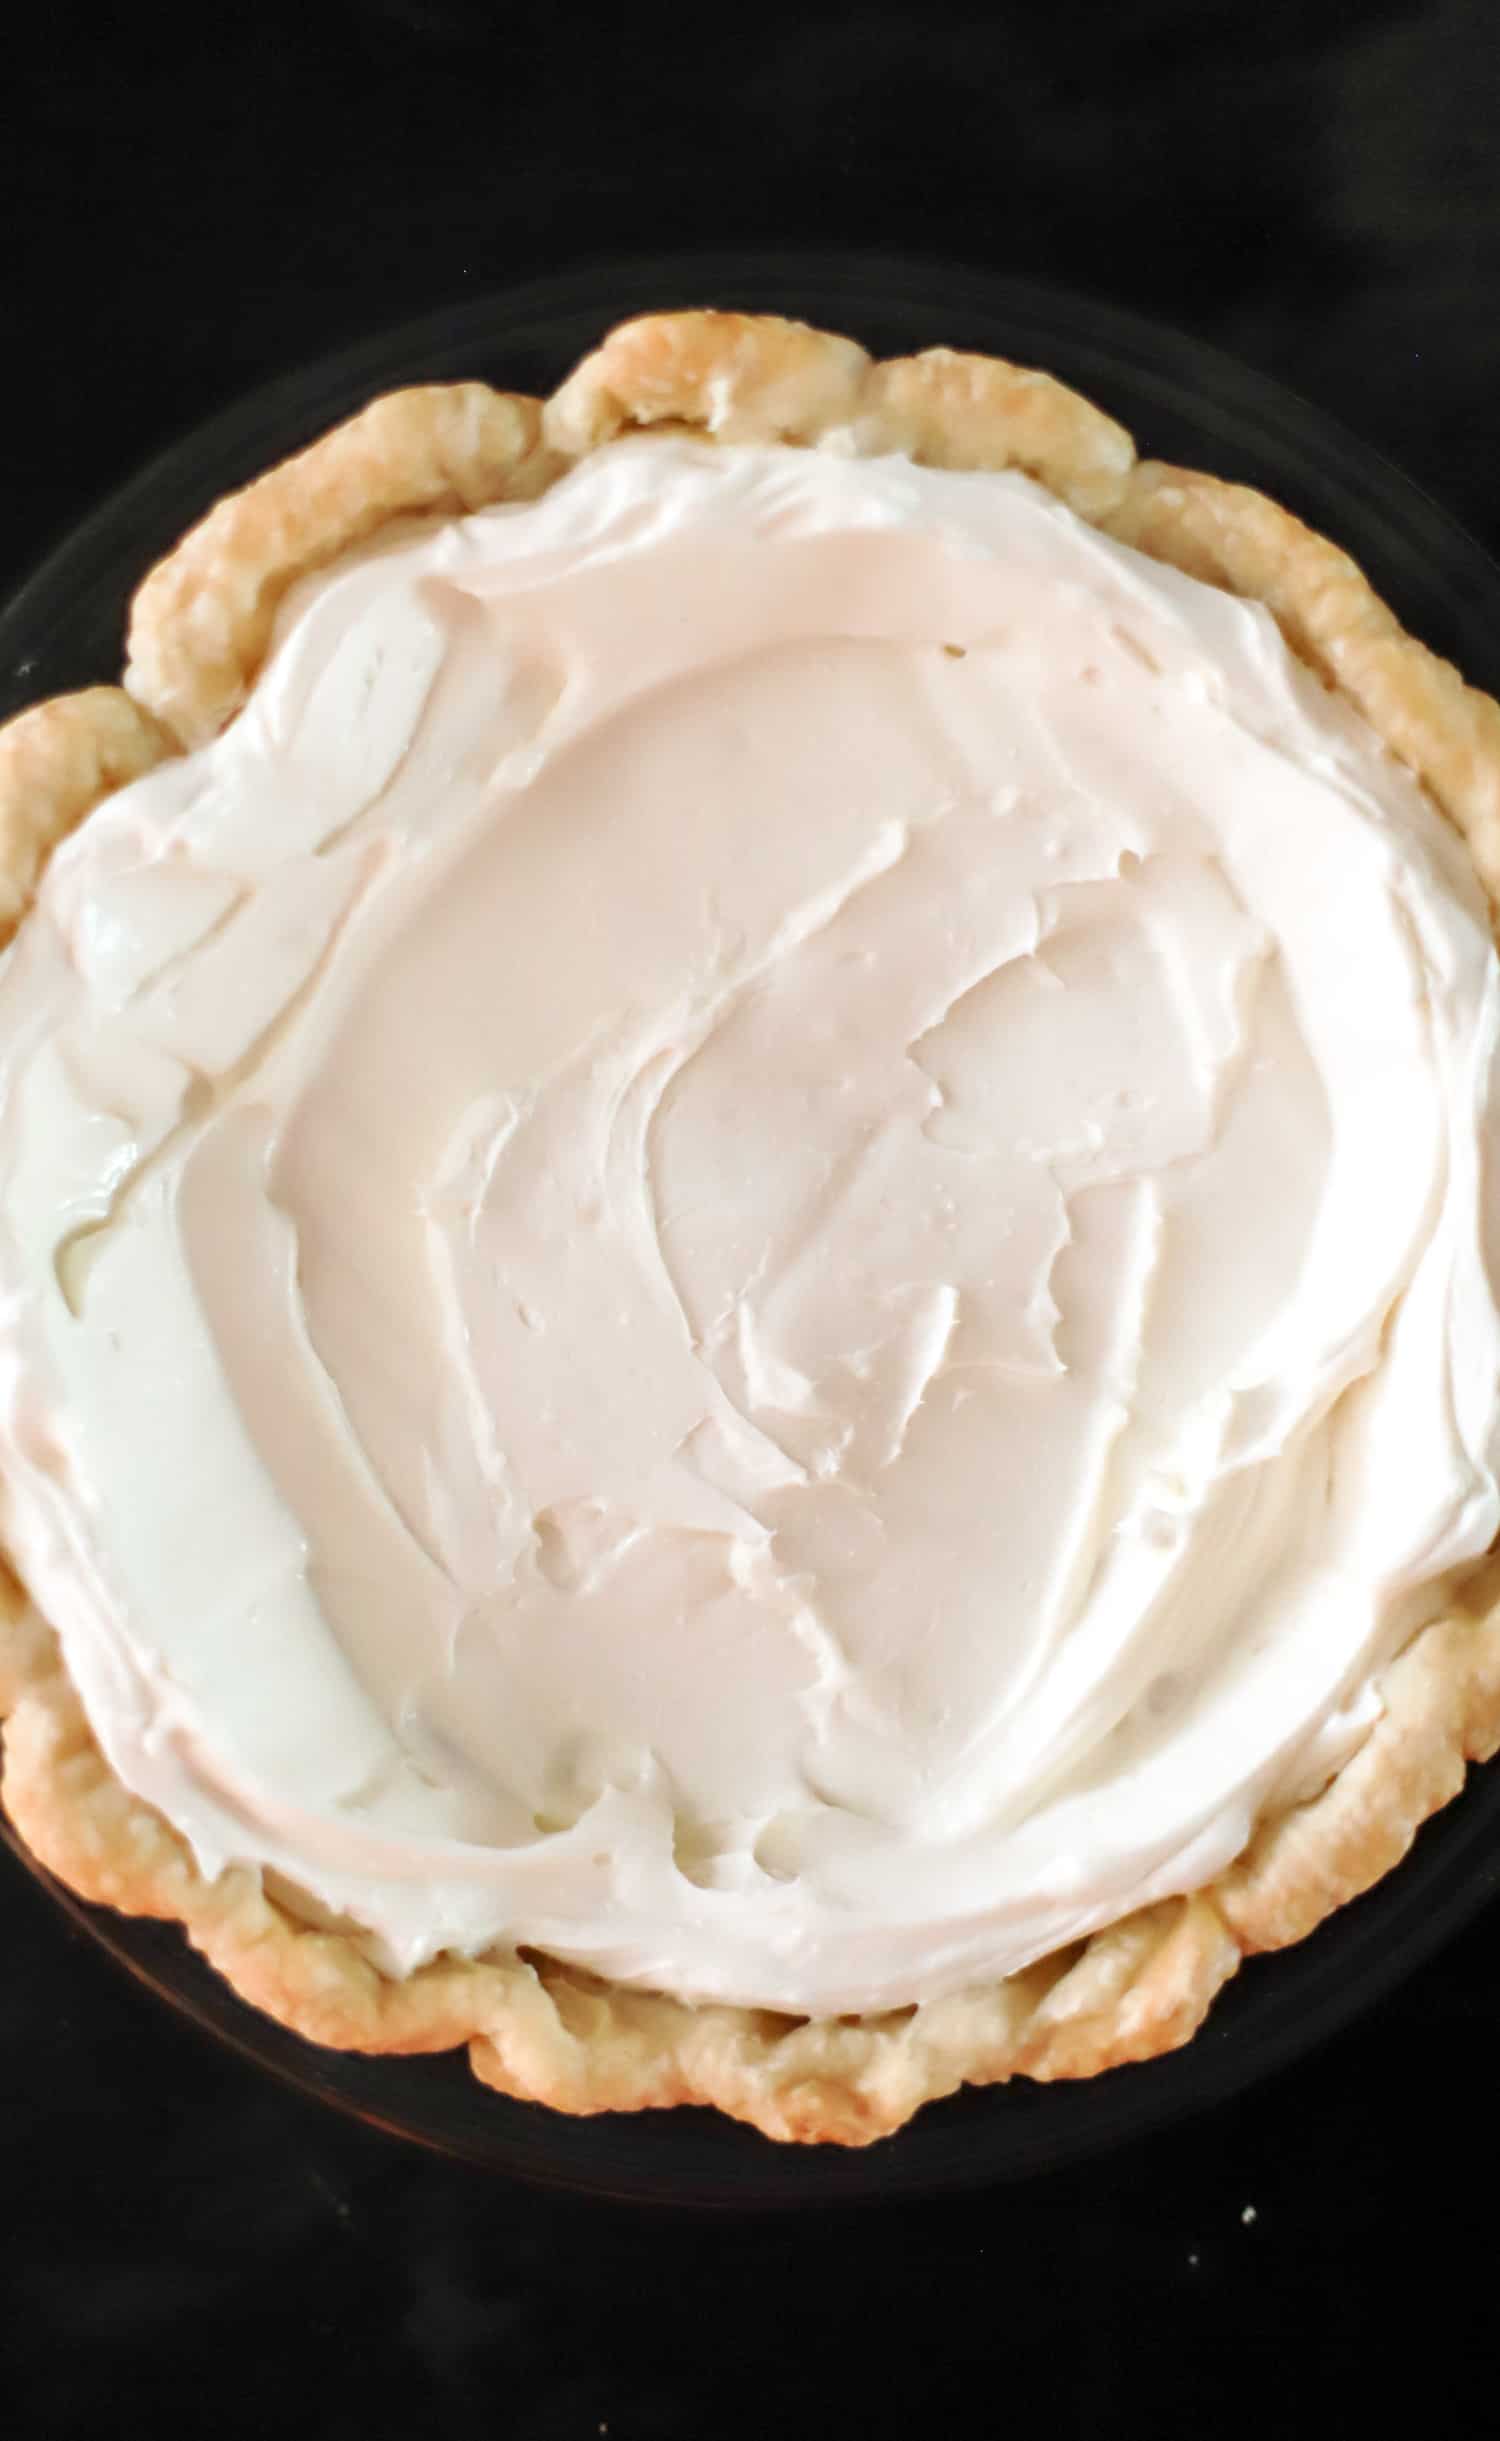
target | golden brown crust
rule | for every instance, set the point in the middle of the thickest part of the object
(1442, 1712)
(971, 412)
(201, 622)
(736, 377)
(1443, 730)
(56, 762)
(745, 377)
(536, 2028)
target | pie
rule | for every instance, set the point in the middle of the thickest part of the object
(751, 1305)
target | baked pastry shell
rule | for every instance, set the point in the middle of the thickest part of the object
(198, 633)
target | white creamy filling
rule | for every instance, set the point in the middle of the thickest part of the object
(751, 1245)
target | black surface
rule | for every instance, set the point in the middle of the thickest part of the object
(198, 207)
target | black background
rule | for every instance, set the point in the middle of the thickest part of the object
(195, 203)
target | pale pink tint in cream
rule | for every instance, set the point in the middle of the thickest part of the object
(749, 1244)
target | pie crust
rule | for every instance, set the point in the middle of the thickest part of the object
(199, 629)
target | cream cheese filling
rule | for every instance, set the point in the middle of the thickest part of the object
(753, 1244)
